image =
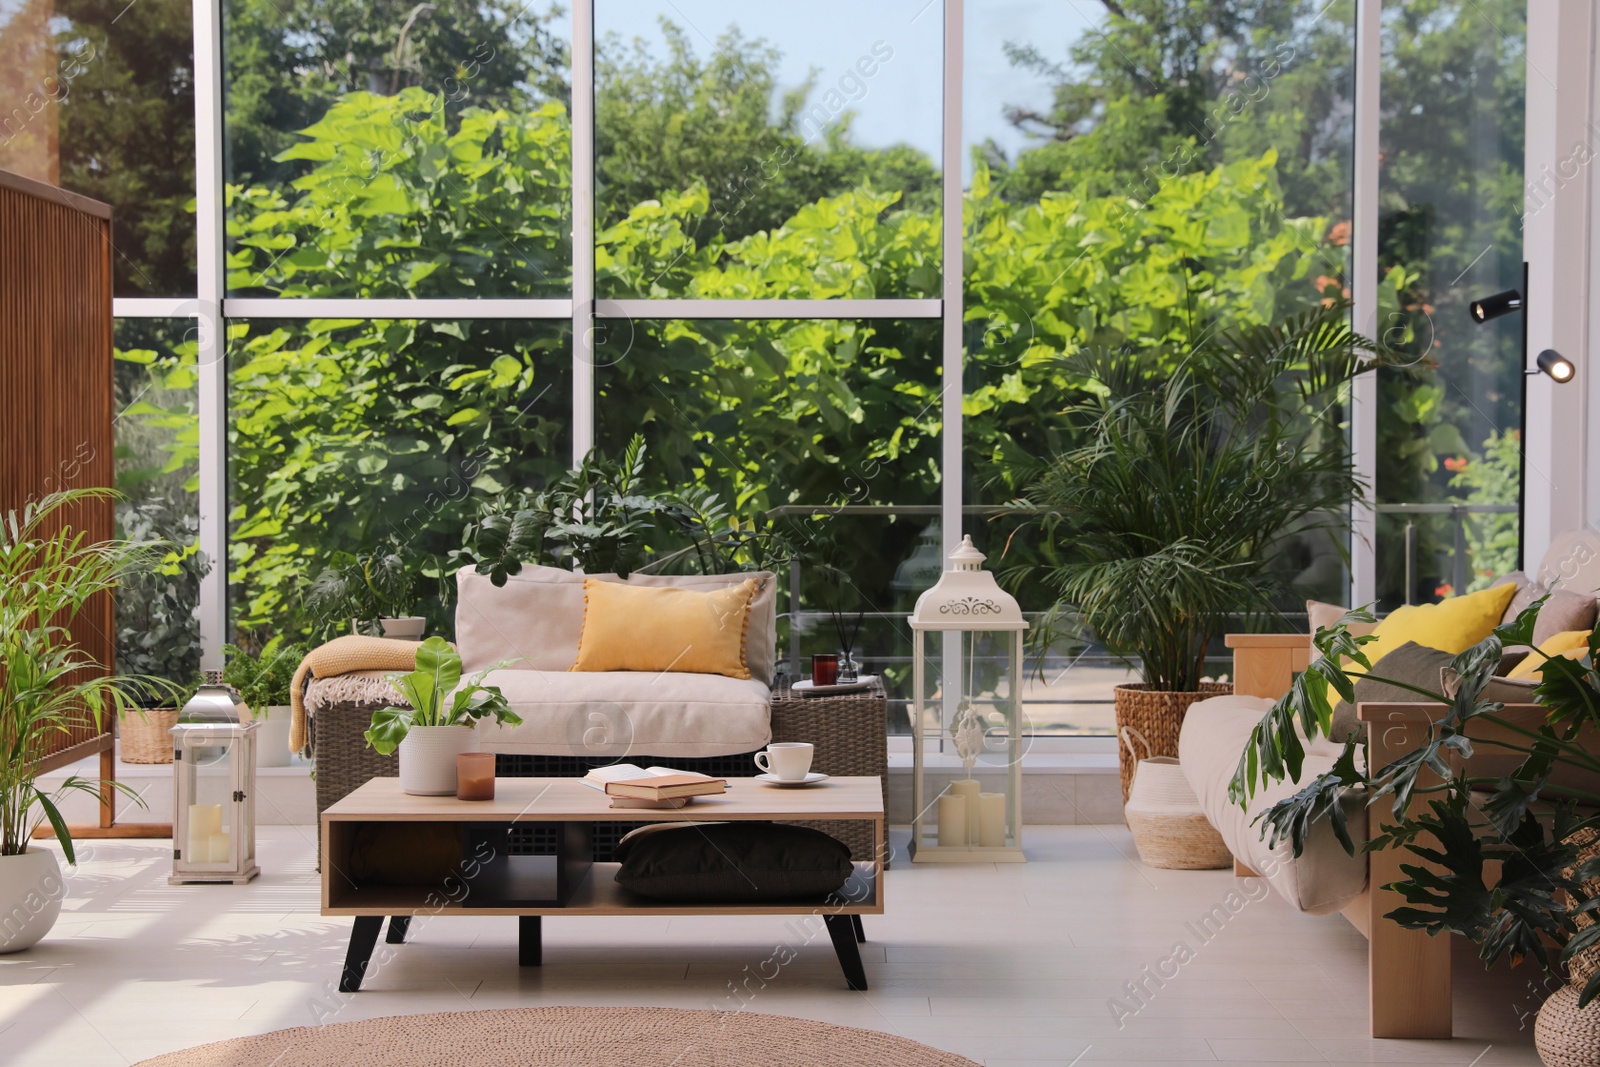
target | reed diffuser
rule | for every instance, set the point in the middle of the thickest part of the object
(849, 669)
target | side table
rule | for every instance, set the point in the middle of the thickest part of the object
(851, 735)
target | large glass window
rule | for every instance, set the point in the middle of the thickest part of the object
(1449, 429)
(348, 435)
(767, 150)
(1135, 182)
(397, 150)
(99, 99)
(156, 433)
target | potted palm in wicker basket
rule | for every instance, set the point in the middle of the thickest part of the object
(1188, 470)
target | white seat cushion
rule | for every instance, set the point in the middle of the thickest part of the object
(1325, 877)
(621, 713)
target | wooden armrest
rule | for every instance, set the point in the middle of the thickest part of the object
(1525, 715)
(1267, 640)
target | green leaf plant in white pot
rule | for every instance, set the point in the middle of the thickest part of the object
(438, 722)
(50, 688)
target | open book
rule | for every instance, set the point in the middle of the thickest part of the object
(627, 772)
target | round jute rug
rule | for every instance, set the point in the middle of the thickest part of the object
(571, 1037)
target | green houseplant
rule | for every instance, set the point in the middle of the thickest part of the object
(263, 680)
(372, 593)
(1188, 471)
(1515, 868)
(49, 687)
(437, 723)
(158, 625)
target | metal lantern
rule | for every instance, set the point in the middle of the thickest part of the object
(970, 712)
(214, 788)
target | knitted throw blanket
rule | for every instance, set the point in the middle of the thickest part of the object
(344, 655)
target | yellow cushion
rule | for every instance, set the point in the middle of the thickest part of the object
(1453, 625)
(664, 628)
(1571, 644)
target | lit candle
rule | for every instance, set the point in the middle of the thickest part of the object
(991, 820)
(952, 821)
(967, 789)
(475, 776)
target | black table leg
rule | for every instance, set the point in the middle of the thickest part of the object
(363, 939)
(861, 931)
(398, 926)
(843, 932)
(530, 947)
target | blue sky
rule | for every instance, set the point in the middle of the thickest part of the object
(902, 101)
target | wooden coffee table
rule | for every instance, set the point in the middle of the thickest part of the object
(528, 853)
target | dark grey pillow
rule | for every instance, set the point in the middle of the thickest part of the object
(731, 862)
(1412, 663)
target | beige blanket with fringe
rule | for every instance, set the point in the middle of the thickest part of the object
(348, 655)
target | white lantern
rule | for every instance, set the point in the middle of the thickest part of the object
(971, 709)
(214, 786)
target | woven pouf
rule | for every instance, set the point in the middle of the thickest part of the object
(1158, 716)
(570, 1037)
(1566, 1036)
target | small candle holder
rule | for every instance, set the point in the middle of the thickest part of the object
(475, 776)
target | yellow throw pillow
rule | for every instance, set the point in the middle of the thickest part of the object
(1453, 625)
(1571, 644)
(664, 628)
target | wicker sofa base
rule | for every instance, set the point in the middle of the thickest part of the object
(850, 733)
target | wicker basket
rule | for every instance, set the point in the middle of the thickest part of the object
(147, 735)
(1168, 826)
(1564, 1034)
(1158, 716)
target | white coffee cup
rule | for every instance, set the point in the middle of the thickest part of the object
(787, 761)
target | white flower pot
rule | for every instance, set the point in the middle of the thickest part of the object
(272, 737)
(428, 758)
(31, 890)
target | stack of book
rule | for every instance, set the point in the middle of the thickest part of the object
(652, 787)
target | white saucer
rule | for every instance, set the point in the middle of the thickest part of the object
(805, 687)
(811, 779)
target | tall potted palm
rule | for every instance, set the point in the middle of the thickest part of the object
(1187, 471)
(48, 687)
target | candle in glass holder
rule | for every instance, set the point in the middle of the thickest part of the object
(825, 669)
(475, 776)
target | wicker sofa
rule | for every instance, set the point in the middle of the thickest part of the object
(574, 722)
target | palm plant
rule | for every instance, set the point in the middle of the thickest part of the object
(1510, 858)
(1155, 526)
(49, 687)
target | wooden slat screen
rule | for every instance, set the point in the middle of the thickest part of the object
(56, 379)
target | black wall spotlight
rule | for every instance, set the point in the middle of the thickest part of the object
(1492, 307)
(1557, 366)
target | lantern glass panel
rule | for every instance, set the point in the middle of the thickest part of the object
(208, 763)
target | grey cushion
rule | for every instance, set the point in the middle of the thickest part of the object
(1562, 612)
(1415, 664)
(731, 862)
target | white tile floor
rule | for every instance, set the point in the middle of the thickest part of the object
(1009, 965)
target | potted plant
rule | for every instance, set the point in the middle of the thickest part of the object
(438, 723)
(1511, 861)
(263, 681)
(49, 687)
(372, 593)
(158, 627)
(1188, 471)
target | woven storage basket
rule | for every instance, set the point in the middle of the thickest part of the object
(1168, 826)
(147, 736)
(1563, 1034)
(1158, 716)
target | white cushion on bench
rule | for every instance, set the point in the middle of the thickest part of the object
(1324, 878)
(620, 713)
